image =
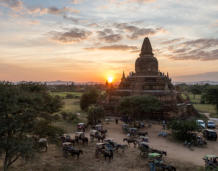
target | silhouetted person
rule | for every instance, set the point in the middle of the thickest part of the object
(164, 124)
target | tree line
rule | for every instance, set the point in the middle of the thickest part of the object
(209, 93)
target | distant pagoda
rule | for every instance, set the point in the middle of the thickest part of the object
(148, 80)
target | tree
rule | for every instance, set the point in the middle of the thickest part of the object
(95, 113)
(211, 96)
(24, 108)
(88, 98)
(182, 129)
(195, 89)
(139, 107)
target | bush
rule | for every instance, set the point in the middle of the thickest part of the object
(95, 113)
(64, 115)
(56, 117)
(70, 96)
(88, 98)
(140, 107)
(182, 129)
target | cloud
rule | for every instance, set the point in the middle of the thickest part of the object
(202, 43)
(111, 38)
(197, 54)
(114, 47)
(77, 1)
(211, 76)
(18, 5)
(94, 25)
(74, 20)
(56, 11)
(71, 36)
(107, 35)
(172, 41)
(199, 49)
(13, 4)
(136, 32)
(141, 1)
(51, 10)
(118, 2)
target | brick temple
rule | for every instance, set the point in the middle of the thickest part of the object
(148, 80)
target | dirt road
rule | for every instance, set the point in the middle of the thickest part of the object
(175, 150)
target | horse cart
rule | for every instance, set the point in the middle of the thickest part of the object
(81, 127)
(98, 127)
(156, 161)
(79, 135)
(102, 147)
(211, 162)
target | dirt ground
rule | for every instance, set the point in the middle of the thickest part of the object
(178, 155)
(175, 151)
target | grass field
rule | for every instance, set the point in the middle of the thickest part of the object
(63, 94)
(71, 107)
(204, 108)
(195, 98)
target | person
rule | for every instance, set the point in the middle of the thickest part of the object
(116, 120)
(164, 124)
(152, 166)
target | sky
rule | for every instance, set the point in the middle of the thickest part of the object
(89, 40)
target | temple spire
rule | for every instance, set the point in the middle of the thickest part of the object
(146, 48)
(123, 77)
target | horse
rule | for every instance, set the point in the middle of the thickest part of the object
(169, 168)
(121, 146)
(85, 140)
(100, 137)
(142, 133)
(43, 144)
(76, 152)
(93, 134)
(130, 140)
(103, 131)
(72, 151)
(108, 153)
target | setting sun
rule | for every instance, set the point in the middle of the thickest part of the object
(110, 79)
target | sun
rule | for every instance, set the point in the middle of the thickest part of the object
(110, 79)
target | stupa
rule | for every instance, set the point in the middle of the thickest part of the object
(148, 80)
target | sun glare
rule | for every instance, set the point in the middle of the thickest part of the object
(110, 79)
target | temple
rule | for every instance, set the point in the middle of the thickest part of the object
(148, 80)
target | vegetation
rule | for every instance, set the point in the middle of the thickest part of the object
(206, 108)
(211, 96)
(88, 98)
(95, 113)
(65, 94)
(62, 87)
(182, 129)
(25, 112)
(195, 90)
(204, 97)
(140, 107)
